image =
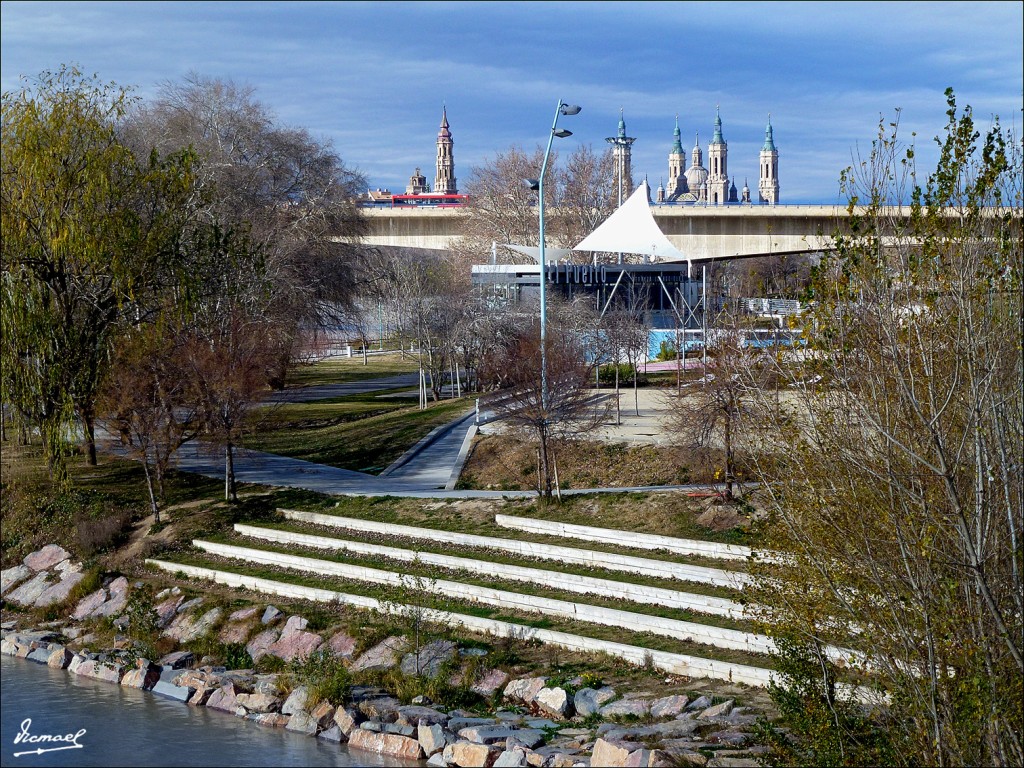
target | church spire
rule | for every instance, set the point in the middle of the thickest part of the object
(444, 179)
(677, 142)
(717, 138)
(769, 141)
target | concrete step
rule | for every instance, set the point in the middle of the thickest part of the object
(637, 593)
(718, 637)
(607, 560)
(672, 663)
(625, 538)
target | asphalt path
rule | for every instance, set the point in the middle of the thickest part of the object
(422, 472)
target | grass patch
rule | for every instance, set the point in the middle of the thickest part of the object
(348, 434)
(342, 370)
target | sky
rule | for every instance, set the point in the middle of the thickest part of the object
(373, 77)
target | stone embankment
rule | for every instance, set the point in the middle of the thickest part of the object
(528, 721)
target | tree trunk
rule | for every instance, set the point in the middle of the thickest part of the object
(152, 496)
(545, 474)
(88, 421)
(230, 489)
(728, 456)
(618, 400)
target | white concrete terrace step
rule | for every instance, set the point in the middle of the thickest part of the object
(673, 663)
(607, 560)
(569, 582)
(625, 538)
(718, 637)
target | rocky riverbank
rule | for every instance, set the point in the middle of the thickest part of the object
(516, 721)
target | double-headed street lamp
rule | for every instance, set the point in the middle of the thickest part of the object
(538, 186)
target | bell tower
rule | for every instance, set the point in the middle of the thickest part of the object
(768, 187)
(718, 172)
(444, 181)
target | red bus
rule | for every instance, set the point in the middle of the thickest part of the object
(428, 201)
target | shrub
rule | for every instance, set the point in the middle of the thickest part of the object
(324, 675)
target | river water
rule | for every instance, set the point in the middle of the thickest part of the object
(129, 727)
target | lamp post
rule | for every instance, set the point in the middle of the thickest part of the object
(538, 185)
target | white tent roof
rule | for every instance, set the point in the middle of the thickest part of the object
(632, 229)
(550, 254)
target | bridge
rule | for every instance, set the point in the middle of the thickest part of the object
(700, 232)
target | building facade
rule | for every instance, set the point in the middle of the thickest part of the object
(713, 185)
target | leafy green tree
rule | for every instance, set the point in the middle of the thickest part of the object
(88, 237)
(895, 477)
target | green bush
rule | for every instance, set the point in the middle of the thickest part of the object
(324, 675)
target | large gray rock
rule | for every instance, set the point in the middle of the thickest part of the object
(427, 662)
(11, 576)
(486, 734)
(554, 702)
(384, 655)
(415, 714)
(89, 604)
(167, 688)
(61, 591)
(118, 599)
(101, 670)
(669, 706)
(524, 690)
(589, 701)
(188, 627)
(431, 738)
(29, 592)
(302, 722)
(243, 614)
(46, 558)
(718, 710)
(270, 615)
(297, 701)
(166, 611)
(636, 707)
(258, 702)
(515, 758)
(224, 698)
(60, 658)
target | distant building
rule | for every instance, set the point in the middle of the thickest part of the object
(713, 185)
(417, 184)
(444, 181)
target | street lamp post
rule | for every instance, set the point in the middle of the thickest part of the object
(538, 184)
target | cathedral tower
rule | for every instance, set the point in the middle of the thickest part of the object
(623, 154)
(444, 181)
(768, 188)
(676, 165)
(718, 173)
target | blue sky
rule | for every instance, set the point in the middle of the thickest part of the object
(372, 77)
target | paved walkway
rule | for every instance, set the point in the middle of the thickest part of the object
(423, 471)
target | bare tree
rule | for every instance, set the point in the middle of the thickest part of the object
(563, 410)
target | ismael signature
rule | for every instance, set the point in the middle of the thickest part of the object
(66, 741)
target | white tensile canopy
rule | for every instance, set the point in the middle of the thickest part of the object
(550, 254)
(632, 229)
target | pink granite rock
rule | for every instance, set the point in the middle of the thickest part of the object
(296, 644)
(60, 658)
(243, 613)
(384, 655)
(118, 599)
(272, 719)
(89, 604)
(386, 744)
(144, 676)
(224, 698)
(59, 592)
(489, 682)
(466, 754)
(259, 645)
(342, 644)
(669, 706)
(609, 754)
(258, 702)
(166, 611)
(47, 557)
